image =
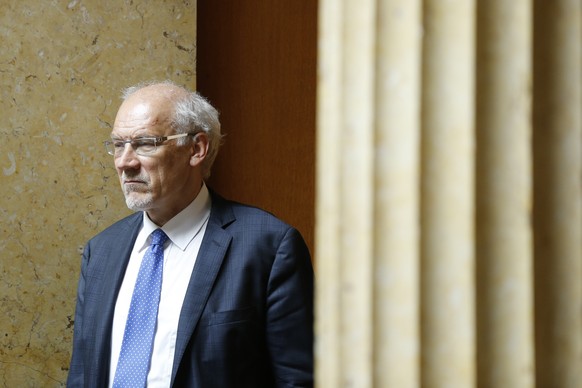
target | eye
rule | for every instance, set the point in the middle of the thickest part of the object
(144, 144)
(118, 144)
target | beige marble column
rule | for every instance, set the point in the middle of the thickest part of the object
(504, 195)
(557, 192)
(367, 201)
(447, 246)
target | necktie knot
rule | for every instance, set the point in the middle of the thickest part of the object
(159, 237)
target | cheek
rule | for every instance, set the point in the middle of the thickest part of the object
(168, 175)
(168, 179)
(161, 179)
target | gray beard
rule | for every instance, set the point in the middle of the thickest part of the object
(142, 203)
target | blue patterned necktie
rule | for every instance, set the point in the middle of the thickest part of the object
(138, 338)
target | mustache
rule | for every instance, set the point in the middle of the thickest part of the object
(125, 176)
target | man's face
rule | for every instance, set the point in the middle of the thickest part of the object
(162, 183)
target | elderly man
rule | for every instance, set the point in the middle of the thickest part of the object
(192, 290)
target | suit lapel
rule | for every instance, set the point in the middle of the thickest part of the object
(210, 257)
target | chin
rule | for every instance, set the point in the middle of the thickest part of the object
(137, 203)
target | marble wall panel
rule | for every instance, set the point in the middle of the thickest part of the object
(62, 65)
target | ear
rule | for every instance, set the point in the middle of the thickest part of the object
(199, 149)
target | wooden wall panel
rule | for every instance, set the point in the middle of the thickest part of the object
(257, 65)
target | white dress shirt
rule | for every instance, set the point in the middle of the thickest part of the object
(185, 232)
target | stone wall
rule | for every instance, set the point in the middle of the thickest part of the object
(62, 65)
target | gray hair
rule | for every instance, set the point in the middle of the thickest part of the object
(192, 113)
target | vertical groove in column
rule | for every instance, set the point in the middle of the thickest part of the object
(504, 195)
(328, 207)
(396, 229)
(447, 245)
(557, 191)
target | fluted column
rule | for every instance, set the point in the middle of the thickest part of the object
(367, 194)
(504, 195)
(429, 272)
(448, 334)
(557, 192)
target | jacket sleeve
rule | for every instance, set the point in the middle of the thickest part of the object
(76, 368)
(289, 312)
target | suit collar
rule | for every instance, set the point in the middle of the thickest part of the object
(221, 213)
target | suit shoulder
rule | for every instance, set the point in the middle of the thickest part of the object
(121, 227)
(249, 211)
(251, 226)
(248, 214)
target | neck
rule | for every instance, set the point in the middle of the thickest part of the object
(161, 215)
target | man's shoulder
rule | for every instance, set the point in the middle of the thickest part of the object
(123, 226)
(253, 226)
(245, 213)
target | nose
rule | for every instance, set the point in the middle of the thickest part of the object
(127, 159)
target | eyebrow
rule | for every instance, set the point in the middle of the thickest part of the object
(114, 137)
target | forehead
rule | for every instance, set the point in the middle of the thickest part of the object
(138, 116)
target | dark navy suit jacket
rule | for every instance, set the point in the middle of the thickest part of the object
(247, 318)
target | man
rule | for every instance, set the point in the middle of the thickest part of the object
(232, 303)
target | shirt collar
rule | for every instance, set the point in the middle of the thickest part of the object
(185, 225)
